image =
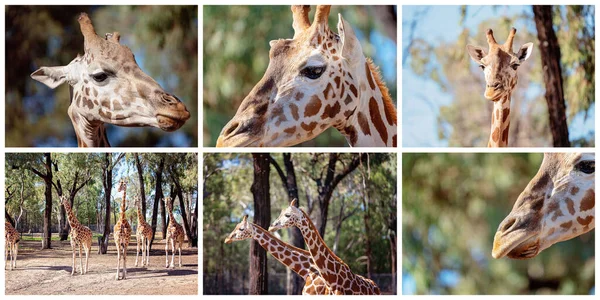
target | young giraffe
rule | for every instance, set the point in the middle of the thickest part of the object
(334, 271)
(499, 66)
(11, 245)
(122, 232)
(174, 235)
(557, 205)
(143, 235)
(108, 86)
(298, 260)
(314, 81)
(81, 236)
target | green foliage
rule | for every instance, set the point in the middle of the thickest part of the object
(452, 205)
(236, 55)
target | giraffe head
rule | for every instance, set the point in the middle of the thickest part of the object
(169, 204)
(311, 84)
(557, 205)
(109, 87)
(242, 231)
(289, 217)
(122, 186)
(499, 64)
(64, 200)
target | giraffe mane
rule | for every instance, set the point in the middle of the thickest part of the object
(385, 92)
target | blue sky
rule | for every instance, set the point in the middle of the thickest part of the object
(420, 128)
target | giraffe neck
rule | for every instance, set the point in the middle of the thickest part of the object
(500, 122)
(374, 121)
(298, 260)
(326, 261)
(71, 216)
(141, 218)
(89, 133)
(172, 221)
(122, 215)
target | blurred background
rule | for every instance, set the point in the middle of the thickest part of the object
(443, 103)
(350, 197)
(236, 54)
(451, 208)
(164, 40)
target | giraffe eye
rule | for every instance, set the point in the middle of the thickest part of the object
(241, 229)
(586, 166)
(99, 77)
(287, 215)
(514, 66)
(482, 67)
(313, 72)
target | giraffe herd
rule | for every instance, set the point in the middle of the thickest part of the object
(81, 236)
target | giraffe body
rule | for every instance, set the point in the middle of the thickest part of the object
(298, 260)
(122, 233)
(108, 86)
(81, 237)
(11, 246)
(334, 271)
(318, 79)
(175, 236)
(557, 205)
(500, 65)
(143, 236)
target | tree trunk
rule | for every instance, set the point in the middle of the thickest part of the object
(140, 169)
(262, 217)
(107, 184)
(191, 233)
(550, 57)
(295, 283)
(158, 195)
(47, 231)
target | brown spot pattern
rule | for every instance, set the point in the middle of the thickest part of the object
(585, 221)
(496, 134)
(588, 202)
(294, 110)
(313, 107)
(369, 77)
(571, 206)
(376, 119)
(363, 123)
(331, 111)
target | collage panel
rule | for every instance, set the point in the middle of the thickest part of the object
(498, 223)
(276, 76)
(86, 75)
(326, 220)
(101, 223)
(498, 76)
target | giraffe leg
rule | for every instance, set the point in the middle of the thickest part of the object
(87, 253)
(125, 261)
(172, 253)
(167, 253)
(118, 260)
(80, 260)
(74, 254)
(148, 252)
(180, 244)
(137, 251)
(16, 253)
(6, 245)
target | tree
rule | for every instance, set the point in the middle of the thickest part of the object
(551, 60)
(262, 217)
(158, 195)
(46, 175)
(108, 164)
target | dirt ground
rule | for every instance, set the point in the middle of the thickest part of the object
(48, 272)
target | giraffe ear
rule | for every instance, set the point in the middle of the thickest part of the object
(245, 218)
(476, 53)
(50, 76)
(525, 52)
(293, 203)
(351, 49)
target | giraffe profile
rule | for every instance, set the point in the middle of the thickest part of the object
(499, 65)
(143, 235)
(174, 235)
(81, 237)
(11, 245)
(336, 273)
(557, 205)
(314, 81)
(298, 260)
(122, 232)
(108, 86)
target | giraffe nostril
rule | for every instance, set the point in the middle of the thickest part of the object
(508, 224)
(231, 128)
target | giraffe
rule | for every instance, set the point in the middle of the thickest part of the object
(108, 86)
(557, 205)
(314, 81)
(334, 271)
(11, 245)
(174, 235)
(500, 66)
(143, 235)
(122, 232)
(298, 260)
(81, 236)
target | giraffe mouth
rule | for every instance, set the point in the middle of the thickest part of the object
(517, 244)
(494, 94)
(169, 122)
(241, 140)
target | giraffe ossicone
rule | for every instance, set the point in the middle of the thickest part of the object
(336, 273)
(558, 204)
(318, 79)
(298, 260)
(499, 65)
(108, 86)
